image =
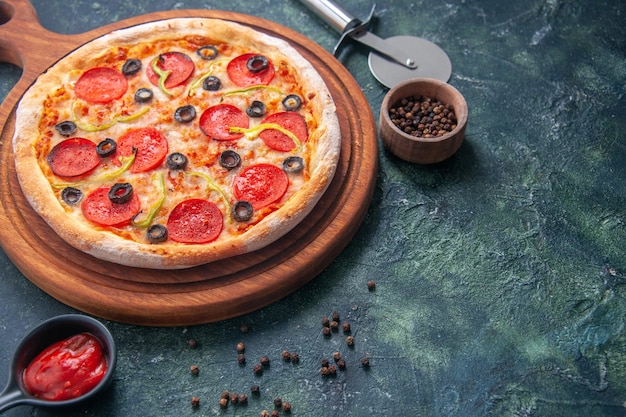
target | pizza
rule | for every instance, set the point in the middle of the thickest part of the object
(176, 143)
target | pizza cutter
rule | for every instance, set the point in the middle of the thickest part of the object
(392, 60)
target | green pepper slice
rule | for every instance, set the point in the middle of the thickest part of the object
(254, 132)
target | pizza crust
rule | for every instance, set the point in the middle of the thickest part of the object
(111, 247)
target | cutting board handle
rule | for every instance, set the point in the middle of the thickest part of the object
(27, 44)
(31, 47)
(12, 16)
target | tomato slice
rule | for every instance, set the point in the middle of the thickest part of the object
(291, 121)
(261, 185)
(151, 148)
(99, 209)
(239, 73)
(216, 121)
(73, 157)
(179, 63)
(101, 85)
(195, 221)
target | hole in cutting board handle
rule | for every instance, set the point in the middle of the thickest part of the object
(8, 53)
(6, 12)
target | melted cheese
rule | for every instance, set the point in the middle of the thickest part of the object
(111, 120)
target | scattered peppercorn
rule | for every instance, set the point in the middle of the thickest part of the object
(258, 369)
(423, 116)
(265, 361)
(326, 369)
(345, 326)
(244, 329)
(371, 285)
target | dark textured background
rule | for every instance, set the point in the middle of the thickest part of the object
(500, 272)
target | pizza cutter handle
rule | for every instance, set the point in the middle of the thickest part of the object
(333, 14)
(349, 27)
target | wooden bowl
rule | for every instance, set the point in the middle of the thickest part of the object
(44, 335)
(416, 149)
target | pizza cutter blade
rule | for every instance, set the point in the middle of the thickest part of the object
(392, 60)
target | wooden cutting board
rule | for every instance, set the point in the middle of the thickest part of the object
(206, 293)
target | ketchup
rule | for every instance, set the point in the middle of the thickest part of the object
(66, 369)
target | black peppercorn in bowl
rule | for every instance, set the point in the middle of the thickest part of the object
(423, 120)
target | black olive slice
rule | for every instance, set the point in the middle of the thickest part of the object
(292, 102)
(293, 164)
(156, 233)
(211, 83)
(121, 193)
(66, 128)
(185, 114)
(256, 109)
(176, 161)
(230, 159)
(208, 52)
(242, 211)
(131, 67)
(143, 95)
(257, 63)
(71, 195)
(106, 148)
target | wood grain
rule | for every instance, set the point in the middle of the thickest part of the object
(206, 293)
